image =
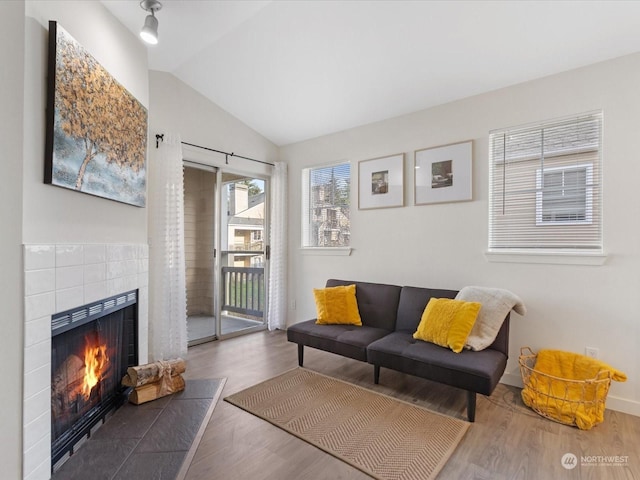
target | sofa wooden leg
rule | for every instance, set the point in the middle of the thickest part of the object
(300, 354)
(376, 374)
(471, 406)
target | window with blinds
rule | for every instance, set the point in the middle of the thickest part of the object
(326, 206)
(545, 186)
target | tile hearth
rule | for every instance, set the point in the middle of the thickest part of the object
(152, 440)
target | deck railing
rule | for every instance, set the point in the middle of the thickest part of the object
(243, 289)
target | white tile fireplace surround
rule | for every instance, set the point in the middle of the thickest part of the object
(58, 278)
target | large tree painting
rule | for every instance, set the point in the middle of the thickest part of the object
(96, 130)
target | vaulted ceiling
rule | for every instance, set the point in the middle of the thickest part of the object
(294, 70)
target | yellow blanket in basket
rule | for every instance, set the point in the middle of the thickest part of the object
(580, 402)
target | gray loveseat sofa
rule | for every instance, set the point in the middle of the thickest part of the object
(390, 315)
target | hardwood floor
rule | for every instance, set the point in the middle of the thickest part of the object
(507, 440)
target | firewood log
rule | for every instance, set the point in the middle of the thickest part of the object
(70, 372)
(155, 390)
(152, 372)
(67, 384)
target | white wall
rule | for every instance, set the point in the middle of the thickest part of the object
(11, 290)
(53, 214)
(177, 108)
(443, 245)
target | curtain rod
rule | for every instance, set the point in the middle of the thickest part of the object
(160, 138)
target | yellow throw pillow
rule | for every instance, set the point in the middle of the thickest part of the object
(337, 305)
(447, 322)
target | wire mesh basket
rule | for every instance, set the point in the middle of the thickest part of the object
(575, 402)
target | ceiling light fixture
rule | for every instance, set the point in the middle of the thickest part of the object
(149, 32)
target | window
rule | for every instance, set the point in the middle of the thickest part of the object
(326, 200)
(545, 188)
(564, 195)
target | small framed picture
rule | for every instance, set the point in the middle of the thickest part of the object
(381, 182)
(443, 174)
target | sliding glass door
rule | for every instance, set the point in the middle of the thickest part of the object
(199, 237)
(243, 254)
(226, 256)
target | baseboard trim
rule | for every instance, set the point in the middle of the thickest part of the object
(513, 379)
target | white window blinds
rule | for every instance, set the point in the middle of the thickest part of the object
(326, 206)
(545, 186)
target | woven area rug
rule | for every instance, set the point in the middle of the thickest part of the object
(380, 435)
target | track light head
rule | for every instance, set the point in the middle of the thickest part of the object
(149, 32)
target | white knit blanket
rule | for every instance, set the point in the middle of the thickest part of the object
(496, 303)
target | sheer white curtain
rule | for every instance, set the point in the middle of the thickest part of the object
(277, 311)
(167, 284)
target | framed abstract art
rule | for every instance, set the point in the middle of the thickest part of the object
(96, 137)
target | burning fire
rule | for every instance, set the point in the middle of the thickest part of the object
(95, 362)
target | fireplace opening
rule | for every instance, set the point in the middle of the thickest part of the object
(91, 348)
